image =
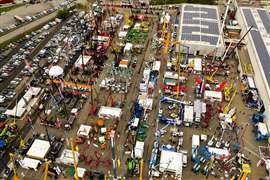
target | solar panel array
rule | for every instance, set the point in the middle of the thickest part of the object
(200, 23)
(262, 53)
(257, 38)
(249, 18)
(265, 17)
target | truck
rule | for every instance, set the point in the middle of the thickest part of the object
(19, 19)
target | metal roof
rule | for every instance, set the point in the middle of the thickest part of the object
(260, 35)
(200, 23)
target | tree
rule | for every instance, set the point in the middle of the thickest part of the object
(63, 13)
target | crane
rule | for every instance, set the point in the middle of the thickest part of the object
(211, 79)
(74, 159)
(47, 163)
(227, 91)
(246, 170)
(15, 177)
(141, 169)
(227, 107)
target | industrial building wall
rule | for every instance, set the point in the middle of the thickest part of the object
(259, 79)
(203, 49)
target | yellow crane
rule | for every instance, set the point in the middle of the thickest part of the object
(15, 177)
(74, 159)
(227, 91)
(163, 27)
(47, 164)
(141, 169)
(210, 79)
(227, 107)
(246, 170)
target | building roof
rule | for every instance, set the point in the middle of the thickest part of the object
(200, 23)
(260, 35)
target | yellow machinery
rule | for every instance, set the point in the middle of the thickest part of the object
(227, 107)
(15, 176)
(227, 91)
(167, 42)
(47, 164)
(22, 143)
(248, 69)
(246, 170)
(74, 159)
(210, 79)
(163, 27)
(141, 169)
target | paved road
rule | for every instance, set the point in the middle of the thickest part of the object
(27, 10)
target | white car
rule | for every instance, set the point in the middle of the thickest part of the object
(2, 99)
(14, 82)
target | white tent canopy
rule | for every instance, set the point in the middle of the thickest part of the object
(171, 161)
(56, 71)
(39, 149)
(109, 112)
(128, 47)
(30, 163)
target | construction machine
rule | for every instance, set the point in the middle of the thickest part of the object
(246, 170)
(47, 163)
(227, 91)
(227, 107)
(210, 79)
(74, 159)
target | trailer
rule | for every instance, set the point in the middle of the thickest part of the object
(19, 19)
(195, 145)
(213, 96)
(188, 115)
(198, 110)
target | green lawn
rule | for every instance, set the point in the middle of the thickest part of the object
(9, 8)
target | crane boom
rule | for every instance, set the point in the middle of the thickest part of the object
(74, 159)
(47, 163)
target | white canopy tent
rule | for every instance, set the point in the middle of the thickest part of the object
(171, 161)
(67, 158)
(38, 149)
(56, 71)
(109, 112)
(29, 163)
(84, 131)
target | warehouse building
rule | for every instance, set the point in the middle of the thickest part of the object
(258, 47)
(200, 29)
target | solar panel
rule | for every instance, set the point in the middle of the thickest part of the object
(190, 8)
(190, 37)
(265, 17)
(212, 27)
(190, 21)
(262, 53)
(249, 18)
(207, 16)
(210, 13)
(189, 15)
(211, 39)
(190, 29)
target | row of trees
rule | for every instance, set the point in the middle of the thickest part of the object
(161, 2)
